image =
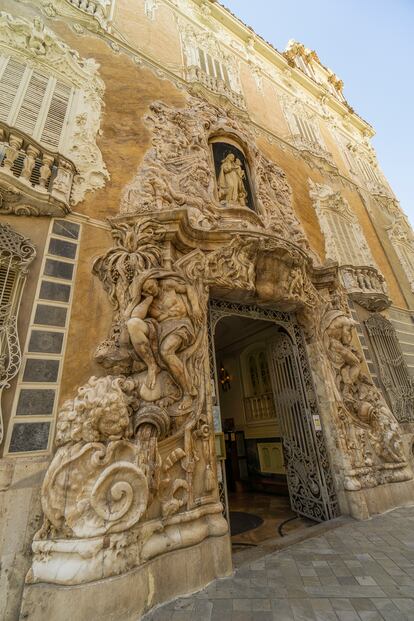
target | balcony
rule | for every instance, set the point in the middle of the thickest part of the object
(366, 286)
(33, 180)
(312, 147)
(98, 9)
(216, 85)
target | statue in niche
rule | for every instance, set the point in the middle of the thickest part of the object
(363, 401)
(231, 181)
(162, 322)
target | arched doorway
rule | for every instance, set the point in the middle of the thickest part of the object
(273, 462)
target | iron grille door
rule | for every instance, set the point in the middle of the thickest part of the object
(305, 465)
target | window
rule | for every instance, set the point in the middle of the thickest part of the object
(258, 395)
(33, 101)
(16, 253)
(344, 238)
(213, 67)
(306, 129)
(397, 383)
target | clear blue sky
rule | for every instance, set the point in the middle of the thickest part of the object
(369, 45)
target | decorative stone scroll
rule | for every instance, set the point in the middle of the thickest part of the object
(367, 432)
(178, 172)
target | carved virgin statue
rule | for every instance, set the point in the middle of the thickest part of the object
(231, 181)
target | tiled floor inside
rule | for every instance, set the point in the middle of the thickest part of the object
(273, 509)
(359, 571)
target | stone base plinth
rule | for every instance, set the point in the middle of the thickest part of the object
(366, 503)
(130, 595)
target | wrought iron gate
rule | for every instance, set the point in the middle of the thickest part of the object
(309, 477)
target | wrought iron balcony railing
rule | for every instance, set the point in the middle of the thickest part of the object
(33, 180)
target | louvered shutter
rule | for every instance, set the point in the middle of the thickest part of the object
(9, 85)
(32, 103)
(55, 118)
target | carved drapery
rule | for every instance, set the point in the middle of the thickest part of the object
(16, 254)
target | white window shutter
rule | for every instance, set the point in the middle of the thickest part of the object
(31, 105)
(9, 85)
(55, 118)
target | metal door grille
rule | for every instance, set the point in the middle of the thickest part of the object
(310, 481)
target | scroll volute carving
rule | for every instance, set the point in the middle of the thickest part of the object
(367, 429)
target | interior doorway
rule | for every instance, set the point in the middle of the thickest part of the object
(274, 477)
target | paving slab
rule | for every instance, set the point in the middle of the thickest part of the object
(342, 571)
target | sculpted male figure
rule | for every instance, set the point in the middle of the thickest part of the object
(160, 324)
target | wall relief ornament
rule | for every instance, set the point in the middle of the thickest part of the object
(178, 172)
(367, 431)
(36, 44)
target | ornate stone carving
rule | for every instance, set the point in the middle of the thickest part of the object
(93, 14)
(178, 172)
(367, 286)
(40, 46)
(223, 79)
(328, 202)
(305, 131)
(31, 191)
(394, 374)
(114, 460)
(367, 430)
(16, 254)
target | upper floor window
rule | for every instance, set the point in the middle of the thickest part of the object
(344, 238)
(208, 64)
(213, 66)
(50, 109)
(34, 101)
(304, 127)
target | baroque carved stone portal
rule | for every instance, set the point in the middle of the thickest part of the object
(134, 474)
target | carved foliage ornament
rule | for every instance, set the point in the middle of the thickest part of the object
(178, 172)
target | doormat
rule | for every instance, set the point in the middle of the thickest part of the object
(241, 522)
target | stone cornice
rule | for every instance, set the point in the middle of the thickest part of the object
(276, 58)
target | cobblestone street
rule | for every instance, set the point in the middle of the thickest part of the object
(360, 571)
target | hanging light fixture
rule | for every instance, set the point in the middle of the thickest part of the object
(224, 378)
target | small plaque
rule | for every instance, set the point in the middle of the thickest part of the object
(317, 422)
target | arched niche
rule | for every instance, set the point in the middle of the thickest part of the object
(232, 169)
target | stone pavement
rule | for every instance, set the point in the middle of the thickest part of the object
(360, 571)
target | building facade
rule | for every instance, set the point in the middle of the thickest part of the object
(195, 236)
